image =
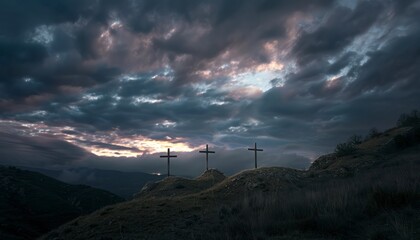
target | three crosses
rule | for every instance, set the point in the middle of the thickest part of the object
(169, 156)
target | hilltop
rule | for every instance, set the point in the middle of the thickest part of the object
(32, 204)
(371, 192)
(178, 186)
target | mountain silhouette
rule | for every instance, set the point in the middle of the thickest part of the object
(32, 204)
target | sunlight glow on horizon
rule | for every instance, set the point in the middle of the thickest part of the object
(139, 145)
(105, 144)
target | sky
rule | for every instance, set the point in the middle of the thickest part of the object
(113, 84)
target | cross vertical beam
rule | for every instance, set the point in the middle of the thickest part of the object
(169, 156)
(207, 155)
(255, 149)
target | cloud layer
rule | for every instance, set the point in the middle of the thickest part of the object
(127, 78)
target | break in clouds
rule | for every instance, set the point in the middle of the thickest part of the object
(111, 84)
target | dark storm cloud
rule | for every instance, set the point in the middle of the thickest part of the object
(347, 59)
(28, 14)
(132, 111)
(75, 57)
(315, 103)
(272, 104)
(234, 19)
(338, 31)
(395, 65)
(26, 28)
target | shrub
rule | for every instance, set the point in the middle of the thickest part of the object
(355, 139)
(344, 149)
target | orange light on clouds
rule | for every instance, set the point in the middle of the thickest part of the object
(271, 66)
(139, 145)
(105, 143)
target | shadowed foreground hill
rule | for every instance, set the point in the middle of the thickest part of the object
(32, 204)
(372, 193)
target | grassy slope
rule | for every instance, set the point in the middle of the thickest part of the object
(32, 204)
(367, 195)
(380, 202)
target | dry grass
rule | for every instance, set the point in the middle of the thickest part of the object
(382, 139)
(337, 209)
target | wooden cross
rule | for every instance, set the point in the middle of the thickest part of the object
(255, 149)
(207, 155)
(169, 156)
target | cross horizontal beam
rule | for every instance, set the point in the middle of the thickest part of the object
(207, 151)
(253, 149)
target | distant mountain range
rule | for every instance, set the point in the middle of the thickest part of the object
(32, 204)
(124, 184)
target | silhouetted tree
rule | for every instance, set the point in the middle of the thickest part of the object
(349, 147)
(355, 139)
(343, 149)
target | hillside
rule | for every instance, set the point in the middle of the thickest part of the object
(372, 193)
(123, 184)
(381, 149)
(32, 204)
